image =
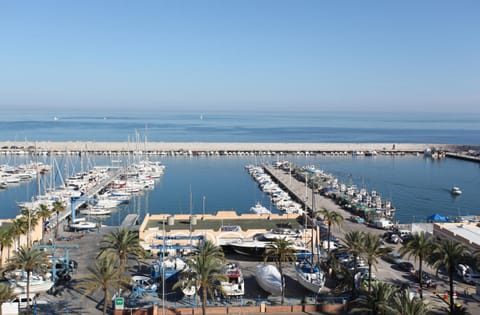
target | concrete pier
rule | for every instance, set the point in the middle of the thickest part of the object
(214, 148)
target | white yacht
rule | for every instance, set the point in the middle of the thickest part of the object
(456, 190)
(259, 209)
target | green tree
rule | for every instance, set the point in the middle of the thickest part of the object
(44, 213)
(333, 218)
(376, 302)
(353, 244)
(419, 246)
(280, 251)
(6, 241)
(204, 271)
(372, 249)
(344, 279)
(106, 277)
(122, 244)
(6, 294)
(404, 304)
(58, 207)
(29, 259)
(447, 254)
(19, 227)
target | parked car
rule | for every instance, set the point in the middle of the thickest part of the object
(405, 266)
(427, 279)
(357, 219)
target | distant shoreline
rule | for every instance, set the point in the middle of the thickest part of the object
(90, 146)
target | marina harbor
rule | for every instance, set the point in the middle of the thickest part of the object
(293, 197)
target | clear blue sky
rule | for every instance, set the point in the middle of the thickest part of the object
(270, 55)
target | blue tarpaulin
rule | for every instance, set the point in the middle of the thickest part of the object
(437, 218)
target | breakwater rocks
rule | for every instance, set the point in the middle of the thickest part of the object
(212, 148)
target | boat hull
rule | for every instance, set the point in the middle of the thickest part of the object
(269, 279)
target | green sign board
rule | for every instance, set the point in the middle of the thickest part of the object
(119, 301)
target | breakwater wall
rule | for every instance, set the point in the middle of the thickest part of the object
(216, 148)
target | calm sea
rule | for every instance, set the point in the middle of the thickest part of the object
(346, 127)
(417, 186)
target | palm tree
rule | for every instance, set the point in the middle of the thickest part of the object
(57, 207)
(29, 259)
(404, 304)
(104, 276)
(372, 248)
(353, 242)
(6, 240)
(344, 279)
(44, 213)
(419, 247)
(5, 294)
(447, 254)
(121, 243)
(378, 301)
(29, 219)
(333, 218)
(281, 251)
(204, 271)
(19, 228)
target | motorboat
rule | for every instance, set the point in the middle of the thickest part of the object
(249, 247)
(256, 247)
(456, 190)
(145, 284)
(168, 267)
(234, 285)
(81, 224)
(259, 209)
(96, 211)
(309, 275)
(38, 284)
(269, 279)
(286, 233)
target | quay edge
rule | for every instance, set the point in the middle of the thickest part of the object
(47, 147)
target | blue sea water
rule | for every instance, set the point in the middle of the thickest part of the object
(343, 127)
(418, 187)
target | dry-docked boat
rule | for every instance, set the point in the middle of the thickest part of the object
(269, 278)
(235, 284)
(309, 275)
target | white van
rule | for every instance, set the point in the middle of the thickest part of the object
(23, 300)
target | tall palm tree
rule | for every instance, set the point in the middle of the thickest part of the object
(280, 251)
(29, 259)
(44, 213)
(58, 207)
(121, 243)
(29, 220)
(104, 276)
(372, 249)
(419, 247)
(333, 218)
(404, 304)
(353, 242)
(19, 228)
(378, 301)
(5, 294)
(6, 241)
(204, 271)
(447, 254)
